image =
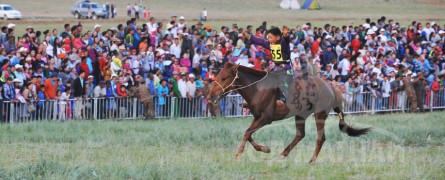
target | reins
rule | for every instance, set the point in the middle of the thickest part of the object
(233, 84)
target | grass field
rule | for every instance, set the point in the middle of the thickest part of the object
(402, 146)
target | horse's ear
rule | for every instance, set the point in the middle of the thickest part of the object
(228, 65)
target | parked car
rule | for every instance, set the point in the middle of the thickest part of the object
(9, 12)
(80, 9)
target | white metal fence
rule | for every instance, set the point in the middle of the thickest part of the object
(172, 107)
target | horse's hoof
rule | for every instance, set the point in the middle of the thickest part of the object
(265, 149)
(282, 157)
(312, 161)
(237, 158)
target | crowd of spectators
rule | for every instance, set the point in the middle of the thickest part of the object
(177, 59)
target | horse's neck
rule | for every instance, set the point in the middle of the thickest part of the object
(246, 80)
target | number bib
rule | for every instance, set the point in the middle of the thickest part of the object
(277, 54)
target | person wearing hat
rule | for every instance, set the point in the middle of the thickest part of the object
(29, 30)
(162, 91)
(382, 35)
(144, 95)
(181, 23)
(419, 88)
(100, 91)
(9, 45)
(278, 43)
(19, 74)
(89, 87)
(96, 29)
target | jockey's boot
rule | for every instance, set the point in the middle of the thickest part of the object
(282, 91)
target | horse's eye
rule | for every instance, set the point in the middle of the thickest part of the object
(223, 79)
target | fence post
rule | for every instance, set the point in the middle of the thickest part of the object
(172, 107)
(11, 110)
(372, 104)
(95, 110)
(431, 100)
(135, 108)
(55, 110)
(403, 97)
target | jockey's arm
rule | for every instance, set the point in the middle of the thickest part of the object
(258, 41)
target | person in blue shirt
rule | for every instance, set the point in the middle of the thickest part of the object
(431, 78)
(151, 84)
(427, 66)
(40, 105)
(159, 63)
(111, 102)
(89, 63)
(162, 93)
(417, 64)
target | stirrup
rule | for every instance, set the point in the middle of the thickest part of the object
(283, 98)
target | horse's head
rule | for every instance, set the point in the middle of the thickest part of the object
(224, 82)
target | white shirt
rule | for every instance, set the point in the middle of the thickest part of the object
(63, 97)
(377, 71)
(294, 55)
(383, 38)
(345, 67)
(428, 31)
(98, 92)
(50, 50)
(151, 27)
(135, 66)
(192, 88)
(222, 35)
(196, 59)
(243, 60)
(386, 87)
(183, 88)
(180, 26)
(176, 50)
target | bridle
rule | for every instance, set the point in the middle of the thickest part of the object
(224, 92)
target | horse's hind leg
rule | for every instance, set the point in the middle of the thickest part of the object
(299, 123)
(320, 119)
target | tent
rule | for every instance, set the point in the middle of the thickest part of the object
(311, 5)
(289, 4)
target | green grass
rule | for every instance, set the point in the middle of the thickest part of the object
(401, 146)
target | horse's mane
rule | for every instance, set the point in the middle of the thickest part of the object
(252, 71)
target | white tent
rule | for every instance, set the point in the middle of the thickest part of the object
(289, 4)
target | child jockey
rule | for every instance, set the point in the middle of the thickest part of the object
(278, 44)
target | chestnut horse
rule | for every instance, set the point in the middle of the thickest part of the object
(306, 96)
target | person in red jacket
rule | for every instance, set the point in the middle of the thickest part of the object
(315, 46)
(355, 44)
(121, 91)
(84, 66)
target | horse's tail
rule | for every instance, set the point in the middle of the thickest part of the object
(345, 128)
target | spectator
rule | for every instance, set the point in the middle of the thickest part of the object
(124, 55)
(162, 92)
(146, 98)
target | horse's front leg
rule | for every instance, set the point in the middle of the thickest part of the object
(256, 124)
